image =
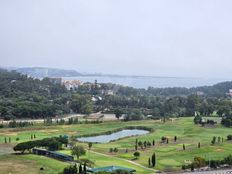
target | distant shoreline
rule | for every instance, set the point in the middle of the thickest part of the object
(136, 76)
(148, 81)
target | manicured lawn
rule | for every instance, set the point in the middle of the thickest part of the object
(169, 156)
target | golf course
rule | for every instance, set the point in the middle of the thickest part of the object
(169, 156)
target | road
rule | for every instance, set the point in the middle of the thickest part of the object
(212, 172)
(107, 117)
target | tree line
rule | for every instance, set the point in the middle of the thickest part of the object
(25, 97)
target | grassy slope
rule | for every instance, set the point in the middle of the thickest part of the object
(29, 164)
(169, 156)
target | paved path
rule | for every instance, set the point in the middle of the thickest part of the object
(132, 162)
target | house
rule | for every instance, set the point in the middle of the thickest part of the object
(230, 92)
(72, 84)
(96, 98)
(199, 93)
(107, 92)
(110, 169)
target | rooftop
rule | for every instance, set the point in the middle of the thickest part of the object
(110, 169)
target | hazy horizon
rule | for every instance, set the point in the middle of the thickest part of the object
(157, 38)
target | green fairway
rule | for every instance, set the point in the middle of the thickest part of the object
(169, 156)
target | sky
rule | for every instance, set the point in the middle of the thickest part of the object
(187, 38)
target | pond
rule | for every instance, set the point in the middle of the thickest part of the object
(113, 136)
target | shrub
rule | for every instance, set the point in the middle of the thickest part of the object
(111, 150)
(229, 137)
(136, 154)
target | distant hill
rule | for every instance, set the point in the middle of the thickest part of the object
(41, 72)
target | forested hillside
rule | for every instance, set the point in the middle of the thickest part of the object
(24, 97)
(164, 102)
(217, 90)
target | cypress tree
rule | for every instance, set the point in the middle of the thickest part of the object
(5, 140)
(75, 168)
(175, 138)
(80, 169)
(153, 143)
(167, 141)
(136, 144)
(192, 167)
(85, 169)
(9, 139)
(31, 136)
(149, 162)
(153, 160)
(213, 140)
(199, 145)
(183, 147)
(145, 144)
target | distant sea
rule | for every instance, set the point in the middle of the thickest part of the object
(146, 81)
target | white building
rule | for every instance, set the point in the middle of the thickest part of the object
(72, 84)
(230, 92)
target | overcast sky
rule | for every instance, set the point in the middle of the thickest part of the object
(191, 38)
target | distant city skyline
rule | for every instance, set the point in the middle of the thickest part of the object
(134, 37)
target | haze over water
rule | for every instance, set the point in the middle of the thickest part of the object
(145, 82)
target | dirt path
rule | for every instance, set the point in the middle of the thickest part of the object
(132, 162)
